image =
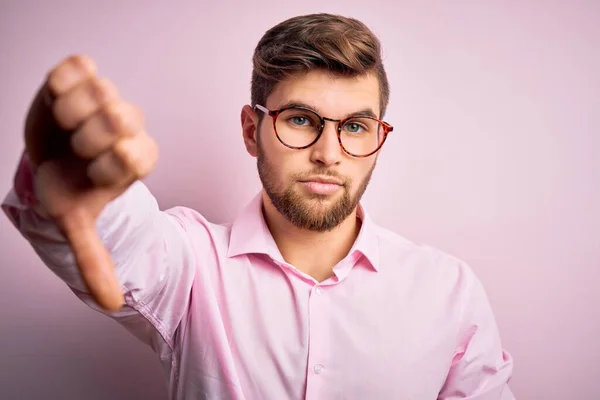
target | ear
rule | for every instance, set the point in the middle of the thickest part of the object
(249, 121)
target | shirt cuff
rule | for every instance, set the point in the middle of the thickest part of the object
(24, 182)
(23, 196)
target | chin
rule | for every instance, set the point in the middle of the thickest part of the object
(317, 199)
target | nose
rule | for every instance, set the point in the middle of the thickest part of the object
(327, 151)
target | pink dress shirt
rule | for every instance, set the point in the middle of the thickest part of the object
(229, 319)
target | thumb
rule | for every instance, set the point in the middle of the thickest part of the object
(93, 260)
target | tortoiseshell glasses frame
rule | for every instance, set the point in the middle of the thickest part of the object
(386, 128)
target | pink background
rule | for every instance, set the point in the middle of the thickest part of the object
(494, 158)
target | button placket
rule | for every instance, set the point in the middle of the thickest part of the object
(318, 355)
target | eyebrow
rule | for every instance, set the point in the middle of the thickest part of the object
(366, 112)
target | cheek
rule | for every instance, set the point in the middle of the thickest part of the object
(360, 172)
(282, 164)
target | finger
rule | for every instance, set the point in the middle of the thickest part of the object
(70, 73)
(101, 131)
(131, 158)
(78, 104)
(93, 260)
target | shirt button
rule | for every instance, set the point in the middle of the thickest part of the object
(318, 368)
(319, 291)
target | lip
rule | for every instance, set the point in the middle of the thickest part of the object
(322, 185)
(322, 179)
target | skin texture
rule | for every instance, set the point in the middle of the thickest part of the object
(313, 232)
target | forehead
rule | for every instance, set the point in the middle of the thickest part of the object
(331, 96)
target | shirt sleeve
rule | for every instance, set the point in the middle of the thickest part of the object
(151, 251)
(481, 368)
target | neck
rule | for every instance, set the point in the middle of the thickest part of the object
(314, 253)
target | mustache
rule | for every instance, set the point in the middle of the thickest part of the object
(322, 172)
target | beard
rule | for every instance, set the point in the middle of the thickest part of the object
(300, 208)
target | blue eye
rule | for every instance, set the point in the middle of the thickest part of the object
(300, 120)
(354, 127)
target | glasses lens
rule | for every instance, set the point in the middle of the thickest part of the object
(297, 127)
(361, 136)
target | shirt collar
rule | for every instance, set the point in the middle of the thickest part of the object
(250, 235)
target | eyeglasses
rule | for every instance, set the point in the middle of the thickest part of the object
(300, 127)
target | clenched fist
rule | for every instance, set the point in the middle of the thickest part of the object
(88, 145)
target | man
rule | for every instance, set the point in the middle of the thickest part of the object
(303, 296)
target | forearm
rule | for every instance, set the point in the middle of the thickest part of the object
(481, 368)
(152, 256)
(126, 226)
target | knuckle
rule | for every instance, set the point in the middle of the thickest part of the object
(79, 144)
(104, 170)
(114, 119)
(64, 114)
(101, 90)
(137, 155)
(82, 63)
(125, 152)
(68, 72)
(56, 80)
(85, 145)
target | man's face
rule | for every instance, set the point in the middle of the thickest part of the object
(290, 177)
